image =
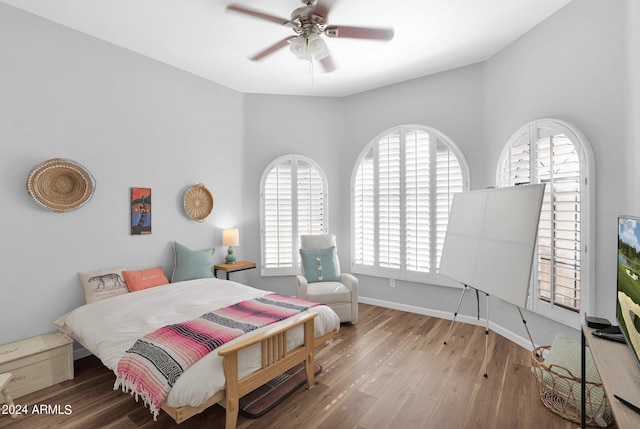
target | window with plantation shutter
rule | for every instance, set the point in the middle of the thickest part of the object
(552, 152)
(402, 186)
(293, 203)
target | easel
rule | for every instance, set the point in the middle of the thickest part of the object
(486, 329)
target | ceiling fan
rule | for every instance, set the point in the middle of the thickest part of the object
(309, 22)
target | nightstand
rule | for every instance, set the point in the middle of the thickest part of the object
(231, 268)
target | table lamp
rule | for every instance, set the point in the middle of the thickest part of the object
(230, 237)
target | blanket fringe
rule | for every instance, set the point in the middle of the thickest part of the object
(130, 385)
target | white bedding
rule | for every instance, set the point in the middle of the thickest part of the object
(109, 327)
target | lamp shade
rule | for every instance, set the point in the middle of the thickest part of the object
(230, 237)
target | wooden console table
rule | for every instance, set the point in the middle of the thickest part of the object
(230, 268)
(620, 376)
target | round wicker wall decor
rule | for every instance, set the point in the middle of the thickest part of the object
(60, 185)
(198, 202)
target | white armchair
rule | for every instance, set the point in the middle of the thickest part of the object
(340, 295)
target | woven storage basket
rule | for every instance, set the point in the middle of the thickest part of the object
(560, 392)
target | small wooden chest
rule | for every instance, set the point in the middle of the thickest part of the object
(37, 362)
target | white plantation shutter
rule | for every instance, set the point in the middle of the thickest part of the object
(559, 232)
(515, 169)
(418, 201)
(389, 201)
(364, 212)
(310, 201)
(449, 180)
(278, 217)
(294, 202)
(551, 152)
(402, 188)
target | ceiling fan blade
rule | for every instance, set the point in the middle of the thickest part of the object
(358, 32)
(321, 9)
(327, 64)
(258, 14)
(271, 49)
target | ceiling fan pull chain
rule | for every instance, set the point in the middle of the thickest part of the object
(311, 69)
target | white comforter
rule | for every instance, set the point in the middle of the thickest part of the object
(109, 327)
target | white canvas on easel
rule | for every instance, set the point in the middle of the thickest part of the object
(491, 238)
(490, 244)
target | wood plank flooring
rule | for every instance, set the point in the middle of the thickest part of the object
(388, 370)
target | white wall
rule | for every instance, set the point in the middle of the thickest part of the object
(132, 122)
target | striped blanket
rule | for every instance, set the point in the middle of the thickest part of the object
(151, 367)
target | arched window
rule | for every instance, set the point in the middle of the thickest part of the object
(293, 202)
(552, 152)
(401, 190)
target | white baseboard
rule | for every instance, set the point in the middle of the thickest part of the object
(521, 341)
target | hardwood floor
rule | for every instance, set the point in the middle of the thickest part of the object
(389, 370)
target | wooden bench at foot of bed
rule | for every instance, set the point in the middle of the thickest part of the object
(275, 360)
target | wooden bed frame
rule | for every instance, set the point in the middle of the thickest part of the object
(276, 359)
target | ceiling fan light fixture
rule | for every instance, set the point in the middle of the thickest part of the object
(298, 46)
(316, 47)
(308, 48)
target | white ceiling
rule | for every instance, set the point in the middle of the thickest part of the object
(200, 37)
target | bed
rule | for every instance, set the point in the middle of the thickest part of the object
(109, 327)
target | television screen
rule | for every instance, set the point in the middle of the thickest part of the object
(628, 301)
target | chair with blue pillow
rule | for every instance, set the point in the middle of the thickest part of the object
(321, 280)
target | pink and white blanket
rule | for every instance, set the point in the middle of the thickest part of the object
(152, 365)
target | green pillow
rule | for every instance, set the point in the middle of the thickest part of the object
(191, 264)
(320, 265)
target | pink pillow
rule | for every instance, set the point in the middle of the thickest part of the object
(144, 279)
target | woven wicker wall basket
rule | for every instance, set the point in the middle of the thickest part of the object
(198, 202)
(60, 185)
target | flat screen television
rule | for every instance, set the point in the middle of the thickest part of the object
(628, 280)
